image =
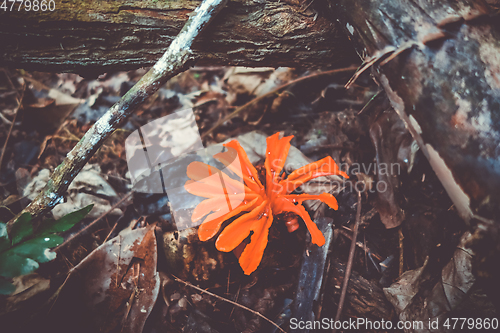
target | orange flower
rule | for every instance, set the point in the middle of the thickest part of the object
(260, 203)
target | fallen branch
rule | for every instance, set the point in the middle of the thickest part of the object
(174, 60)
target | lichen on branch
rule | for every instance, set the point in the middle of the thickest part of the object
(177, 57)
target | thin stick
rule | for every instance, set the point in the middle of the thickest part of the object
(175, 60)
(348, 269)
(255, 100)
(236, 300)
(79, 233)
(19, 102)
(229, 301)
(401, 255)
(110, 232)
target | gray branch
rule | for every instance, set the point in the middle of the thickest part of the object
(175, 60)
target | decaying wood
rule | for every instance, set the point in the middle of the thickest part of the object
(92, 37)
(177, 57)
(439, 64)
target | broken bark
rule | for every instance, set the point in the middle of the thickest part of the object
(440, 67)
(92, 37)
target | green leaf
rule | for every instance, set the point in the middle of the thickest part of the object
(38, 248)
(21, 229)
(64, 223)
(6, 288)
(4, 237)
(12, 265)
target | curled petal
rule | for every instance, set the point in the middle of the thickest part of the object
(325, 197)
(327, 166)
(221, 204)
(239, 229)
(251, 256)
(210, 228)
(325, 170)
(250, 174)
(282, 204)
(276, 154)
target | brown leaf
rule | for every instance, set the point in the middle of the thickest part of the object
(388, 134)
(415, 300)
(114, 288)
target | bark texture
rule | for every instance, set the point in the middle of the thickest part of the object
(176, 59)
(439, 63)
(91, 37)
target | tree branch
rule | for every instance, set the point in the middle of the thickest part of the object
(174, 60)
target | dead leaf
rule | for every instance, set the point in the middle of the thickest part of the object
(114, 288)
(254, 81)
(88, 187)
(192, 260)
(388, 133)
(48, 108)
(415, 301)
(27, 288)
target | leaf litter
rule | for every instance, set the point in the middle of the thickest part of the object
(323, 118)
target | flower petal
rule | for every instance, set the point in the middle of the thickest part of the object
(250, 174)
(198, 170)
(221, 205)
(202, 189)
(327, 165)
(251, 256)
(210, 228)
(212, 176)
(276, 154)
(325, 197)
(239, 229)
(233, 162)
(282, 204)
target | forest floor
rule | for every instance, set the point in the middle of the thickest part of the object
(407, 220)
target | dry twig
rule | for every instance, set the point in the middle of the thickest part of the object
(229, 301)
(348, 269)
(19, 103)
(176, 59)
(275, 91)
